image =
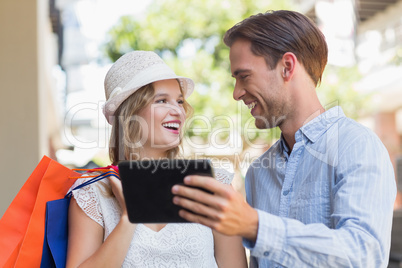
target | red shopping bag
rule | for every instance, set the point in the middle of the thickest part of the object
(22, 225)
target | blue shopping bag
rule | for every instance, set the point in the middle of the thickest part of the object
(56, 233)
(54, 252)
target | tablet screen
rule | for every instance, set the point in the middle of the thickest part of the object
(147, 187)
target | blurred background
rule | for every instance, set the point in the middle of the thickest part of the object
(55, 53)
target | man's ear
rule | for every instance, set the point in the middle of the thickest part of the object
(288, 63)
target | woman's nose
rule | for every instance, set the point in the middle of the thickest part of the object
(176, 110)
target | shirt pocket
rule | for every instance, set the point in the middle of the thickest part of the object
(311, 203)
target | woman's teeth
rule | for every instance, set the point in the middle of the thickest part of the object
(171, 125)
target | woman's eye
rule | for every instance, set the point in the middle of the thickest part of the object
(161, 101)
(180, 101)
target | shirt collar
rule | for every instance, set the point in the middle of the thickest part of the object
(284, 146)
(315, 128)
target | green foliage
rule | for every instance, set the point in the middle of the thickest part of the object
(397, 59)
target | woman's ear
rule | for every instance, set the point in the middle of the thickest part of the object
(288, 64)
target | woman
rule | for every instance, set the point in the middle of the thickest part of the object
(147, 109)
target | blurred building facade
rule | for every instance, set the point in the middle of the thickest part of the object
(30, 117)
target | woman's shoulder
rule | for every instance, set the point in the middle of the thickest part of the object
(89, 197)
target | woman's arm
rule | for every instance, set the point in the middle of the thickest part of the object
(85, 240)
(229, 251)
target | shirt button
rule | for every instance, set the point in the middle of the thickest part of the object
(266, 253)
(285, 193)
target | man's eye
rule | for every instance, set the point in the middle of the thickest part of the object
(244, 76)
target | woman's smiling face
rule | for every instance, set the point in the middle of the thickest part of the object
(164, 117)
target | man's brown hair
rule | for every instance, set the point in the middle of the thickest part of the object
(274, 33)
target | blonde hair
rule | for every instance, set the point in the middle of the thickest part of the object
(125, 139)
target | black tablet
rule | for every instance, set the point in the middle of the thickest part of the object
(147, 187)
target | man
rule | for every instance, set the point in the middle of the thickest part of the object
(322, 196)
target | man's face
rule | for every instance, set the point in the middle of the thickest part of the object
(260, 88)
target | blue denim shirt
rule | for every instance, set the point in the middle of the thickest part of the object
(328, 203)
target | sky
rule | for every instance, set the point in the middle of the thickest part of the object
(97, 16)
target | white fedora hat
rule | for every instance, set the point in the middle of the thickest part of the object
(133, 71)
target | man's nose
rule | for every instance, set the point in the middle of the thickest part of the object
(238, 91)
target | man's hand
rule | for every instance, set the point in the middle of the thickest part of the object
(225, 211)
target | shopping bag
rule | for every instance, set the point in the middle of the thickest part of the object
(22, 226)
(15, 220)
(55, 244)
(54, 252)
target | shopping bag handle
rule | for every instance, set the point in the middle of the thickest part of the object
(110, 173)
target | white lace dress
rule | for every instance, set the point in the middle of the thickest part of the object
(176, 245)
